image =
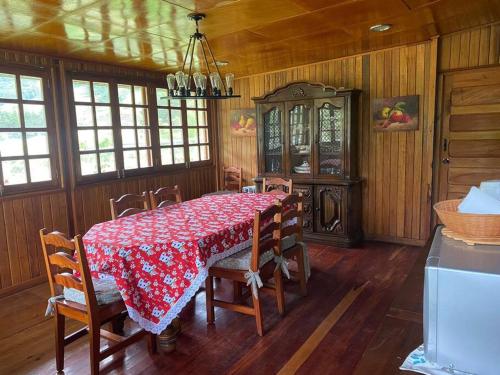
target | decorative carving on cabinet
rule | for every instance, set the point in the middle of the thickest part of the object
(330, 209)
(298, 92)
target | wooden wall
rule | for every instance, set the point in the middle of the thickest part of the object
(396, 167)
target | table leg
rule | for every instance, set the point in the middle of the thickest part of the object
(168, 338)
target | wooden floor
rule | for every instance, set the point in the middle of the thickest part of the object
(362, 315)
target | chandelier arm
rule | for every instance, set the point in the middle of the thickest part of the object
(187, 53)
(191, 63)
(215, 63)
(205, 57)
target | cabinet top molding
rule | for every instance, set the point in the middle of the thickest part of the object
(301, 89)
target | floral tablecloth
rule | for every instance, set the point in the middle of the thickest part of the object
(160, 258)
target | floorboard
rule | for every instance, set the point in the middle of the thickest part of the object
(331, 331)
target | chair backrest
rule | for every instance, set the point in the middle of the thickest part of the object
(128, 204)
(276, 183)
(293, 209)
(232, 178)
(266, 233)
(165, 196)
(63, 257)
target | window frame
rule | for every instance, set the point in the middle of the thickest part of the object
(51, 129)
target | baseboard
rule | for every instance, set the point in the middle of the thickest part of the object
(24, 285)
(397, 240)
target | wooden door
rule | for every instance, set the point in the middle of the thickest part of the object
(330, 209)
(470, 136)
(299, 137)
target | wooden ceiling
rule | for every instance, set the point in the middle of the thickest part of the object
(253, 35)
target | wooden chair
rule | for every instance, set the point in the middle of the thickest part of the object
(165, 196)
(76, 298)
(258, 258)
(292, 237)
(121, 207)
(272, 184)
(233, 179)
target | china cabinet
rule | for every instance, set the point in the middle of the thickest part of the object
(308, 132)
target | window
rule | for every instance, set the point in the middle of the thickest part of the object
(170, 128)
(26, 133)
(121, 129)
(197, 124)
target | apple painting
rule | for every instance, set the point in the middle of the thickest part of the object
(243, 123)
(398, 113)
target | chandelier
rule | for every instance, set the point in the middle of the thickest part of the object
(179, 84)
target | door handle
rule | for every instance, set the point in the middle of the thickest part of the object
(445, 161)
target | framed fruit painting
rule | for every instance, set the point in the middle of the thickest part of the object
(397, 113)
(243, 122)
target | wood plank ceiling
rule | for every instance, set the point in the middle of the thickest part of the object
(253, 35)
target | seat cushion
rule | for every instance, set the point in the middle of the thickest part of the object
(241, 260)
(288, 242)
(105, 292)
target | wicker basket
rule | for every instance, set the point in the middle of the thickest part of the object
(471, 225)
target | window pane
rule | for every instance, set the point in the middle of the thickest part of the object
(192, 136)
(34, 116)
(11, 144)
(103, 116)
(194, 153)
(202, 118)
(105, 138)
(128, 138)
(163, 117)
(14, 172)
(165, 139)
(125, 94)
(126, 116)
(178, 155)
(204, 152)
(191, 118)
(108, 163)
(40, 170)
(177, 136)
(191, 103)
(145, 158)
(38, 143)
(81, 91)
(140, 95)
(203, 135)
(143, 137)
(86, 140)
(84, 115)
(8, 88)
(9, 115)
(141, 117)
(101, 92)
(202, 103)
(175, 103)
(31, 88)
(176, 117)
(130, 159)
(88, 163)
(166, 156)
(160, 95)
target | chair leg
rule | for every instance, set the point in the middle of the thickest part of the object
(95, 348)
(60, 321)
(258, 315)
(237, 292)
(118, 324)
(152, 345)
(209, 291)
(279, 289)
(302, 273)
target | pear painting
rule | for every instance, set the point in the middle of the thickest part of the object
(243, 122)
(397, 113)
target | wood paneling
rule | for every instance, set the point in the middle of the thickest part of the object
(396, 167)
(470, 48)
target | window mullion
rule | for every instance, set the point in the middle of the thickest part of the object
(154, 127)
(23, 128)
(116, 124)
(185, 132)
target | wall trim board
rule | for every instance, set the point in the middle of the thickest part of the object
(4, 292)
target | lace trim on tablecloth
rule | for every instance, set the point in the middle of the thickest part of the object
(157, 328)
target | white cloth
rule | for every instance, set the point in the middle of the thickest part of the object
(282, 263)
(290, 241)
(255, 282)
(416, 362)
(478, 202)
(51, 302)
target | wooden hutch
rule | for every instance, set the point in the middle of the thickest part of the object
(308, 132)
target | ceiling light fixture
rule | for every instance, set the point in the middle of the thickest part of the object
(179, 84)
(381, 27)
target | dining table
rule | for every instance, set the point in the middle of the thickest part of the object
(160, 258)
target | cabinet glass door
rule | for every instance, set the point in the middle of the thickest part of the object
(300, 128)
(331, 139)
(273, 141)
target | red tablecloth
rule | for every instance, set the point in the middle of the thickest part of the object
(160, 258)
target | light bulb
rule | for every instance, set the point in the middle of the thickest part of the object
(216, 82)
(229, 83)
(171, 84)
(197, 83)
(179, 77)
(203, 84)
